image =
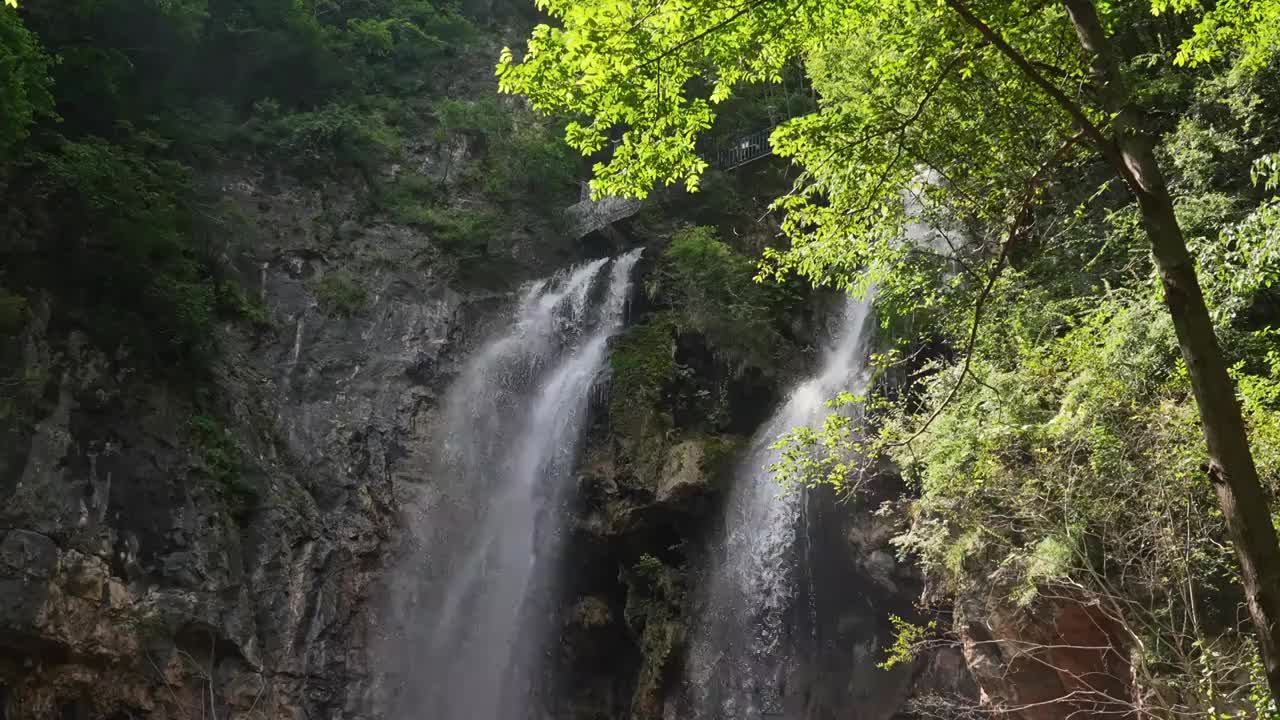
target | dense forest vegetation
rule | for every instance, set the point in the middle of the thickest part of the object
(1087, 173)
(1079, 365)
(115, 116)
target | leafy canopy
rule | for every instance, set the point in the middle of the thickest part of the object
(24, 81)
(902, 85)
(1252, 25)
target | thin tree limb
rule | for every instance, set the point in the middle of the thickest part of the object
(1090, 130)
(1018, 227)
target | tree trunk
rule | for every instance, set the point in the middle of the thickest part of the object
(1231, 468)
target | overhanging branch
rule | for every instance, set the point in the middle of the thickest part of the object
(1086, 126)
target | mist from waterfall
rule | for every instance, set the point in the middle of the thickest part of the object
(747, 646)
(487, 534)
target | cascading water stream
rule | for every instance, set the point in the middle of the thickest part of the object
(488, 533)
(738, 665)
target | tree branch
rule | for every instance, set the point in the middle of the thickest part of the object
(1019, 226)
(714, 28)
(1086, 126)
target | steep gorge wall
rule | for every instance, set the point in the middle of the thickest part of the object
(139, 581)
(177, 547)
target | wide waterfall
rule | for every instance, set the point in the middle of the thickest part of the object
(747, 660)
(489, 529)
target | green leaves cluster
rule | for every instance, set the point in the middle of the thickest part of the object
(525, 157)
(217, 457)
(24, 81)
(340, 293)
(625, 66)
(907, 641)
(1253, 26)
(712, 287)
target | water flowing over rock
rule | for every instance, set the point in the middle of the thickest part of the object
(744, 662)
(486, 531)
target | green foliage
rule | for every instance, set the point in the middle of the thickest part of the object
(406, 198)
(233, 302)
(1252, 26)
(464, 232)
(1065, 452)
(330, 137)
(654, 592)
(872, 65)
(145, 93)
(216, 456)
(340, 293)
(532, 162)
(718, 454)
(525, 158)
(809, 456)
(1070, 459)
(712, 287)
(901, 85)
(643, 366)
(907, 640)
(1048, 562)
(650, 570)
(484, 118)
(24, 81)
(1266, 171)
(142, 276)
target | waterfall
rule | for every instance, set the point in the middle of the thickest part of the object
(488, 529)
(753, 612)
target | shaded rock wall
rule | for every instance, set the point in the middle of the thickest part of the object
(176, 547)
(1061, 659)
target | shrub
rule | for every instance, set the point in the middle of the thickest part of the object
(340, 293)
(335, 135)
(13, 313)
(216, 455)
(24, 82)
(126, 250)
(716, 294)
(526, 157)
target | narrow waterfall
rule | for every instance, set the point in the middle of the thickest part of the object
(488, 531)
(755, 609)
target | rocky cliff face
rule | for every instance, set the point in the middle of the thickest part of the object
(141, 576)
(180, 547)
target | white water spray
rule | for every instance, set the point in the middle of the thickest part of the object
(738, 663)
(489, 532)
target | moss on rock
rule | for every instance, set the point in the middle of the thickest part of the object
(655, 598)
(644, 365)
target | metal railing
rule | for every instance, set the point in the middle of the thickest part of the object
(743, 150)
